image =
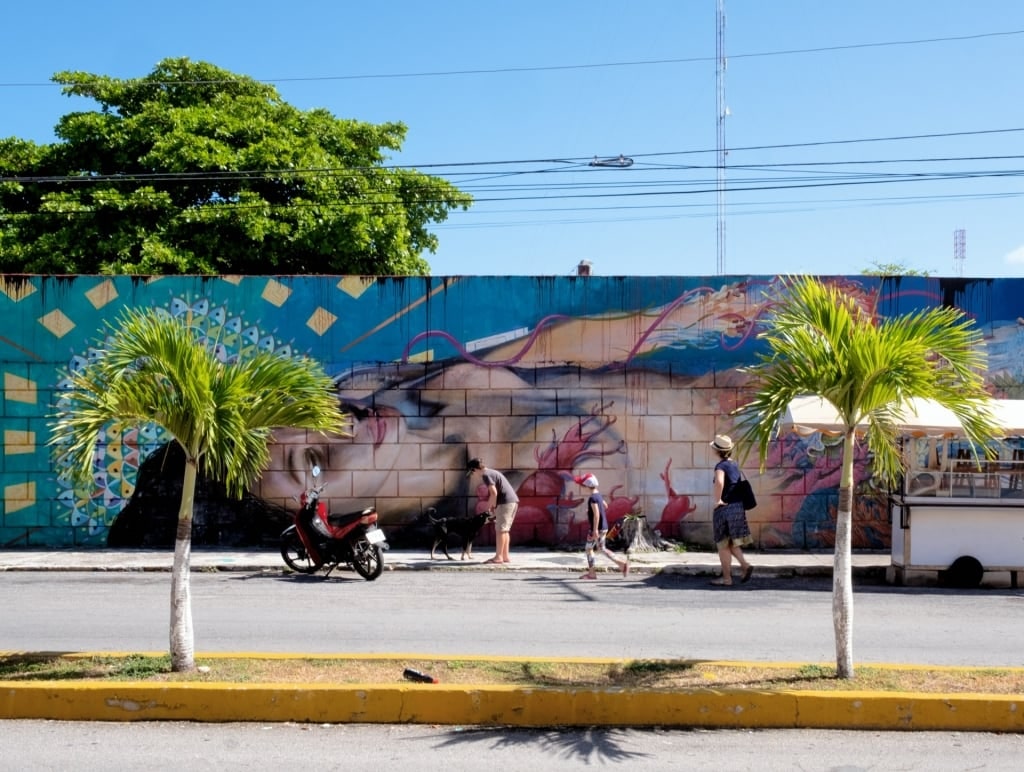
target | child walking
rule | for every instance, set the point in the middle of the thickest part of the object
(597, 518)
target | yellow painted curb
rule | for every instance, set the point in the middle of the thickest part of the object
(511, 706)
(486, 704)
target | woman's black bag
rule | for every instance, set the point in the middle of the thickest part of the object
(741, 491)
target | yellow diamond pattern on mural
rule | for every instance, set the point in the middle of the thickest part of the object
(18, 389)
(102, 294)
(17, 289)
(321, 321)
(57, 322)
(275, 292)
(19, 496)
(18, 442)
(354, 286)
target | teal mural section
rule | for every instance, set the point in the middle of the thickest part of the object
(544, 377)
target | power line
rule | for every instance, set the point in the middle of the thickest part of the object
(892, 138)
(789, 169)
(738, 149)
(566, 164)
(708, 187)
(557, 67)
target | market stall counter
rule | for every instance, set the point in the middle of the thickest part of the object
(958, 511)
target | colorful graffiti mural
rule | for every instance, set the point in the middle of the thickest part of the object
(628, 376)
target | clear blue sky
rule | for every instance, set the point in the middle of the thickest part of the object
(534, 90)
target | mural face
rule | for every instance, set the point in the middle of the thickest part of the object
(625, 377)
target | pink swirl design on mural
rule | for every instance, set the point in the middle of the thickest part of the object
(476, 360)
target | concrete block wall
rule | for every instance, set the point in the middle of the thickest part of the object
(626, 377)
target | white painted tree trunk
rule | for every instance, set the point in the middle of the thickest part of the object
(182, 636)
(842, 573)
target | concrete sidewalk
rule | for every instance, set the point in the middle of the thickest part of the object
(865, 565)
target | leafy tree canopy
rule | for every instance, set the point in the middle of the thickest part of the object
(892, 269)
(193, 169)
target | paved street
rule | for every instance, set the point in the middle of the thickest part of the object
(511, 613)
(172, 746)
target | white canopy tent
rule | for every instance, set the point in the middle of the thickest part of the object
(920, 417)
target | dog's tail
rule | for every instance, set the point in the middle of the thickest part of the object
(430, 512)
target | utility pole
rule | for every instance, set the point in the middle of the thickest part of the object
(723, 111)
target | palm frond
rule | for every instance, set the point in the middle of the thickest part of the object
(822, 342)
(154, 369)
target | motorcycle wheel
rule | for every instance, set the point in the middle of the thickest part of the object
(367, 560)
(295, 555)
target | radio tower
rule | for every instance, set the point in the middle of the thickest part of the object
(959, 251)
(723, 111)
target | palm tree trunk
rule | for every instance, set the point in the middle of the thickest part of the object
(842, 574)
(182, 635)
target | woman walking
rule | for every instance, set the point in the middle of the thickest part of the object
(729, 521)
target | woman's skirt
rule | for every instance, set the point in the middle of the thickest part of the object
(730, 526)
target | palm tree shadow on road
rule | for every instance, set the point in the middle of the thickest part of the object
(591, 745)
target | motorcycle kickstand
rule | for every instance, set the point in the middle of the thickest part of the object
(333, 566)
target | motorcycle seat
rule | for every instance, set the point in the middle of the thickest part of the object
(348, 517)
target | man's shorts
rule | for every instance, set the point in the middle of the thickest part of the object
(504, 514)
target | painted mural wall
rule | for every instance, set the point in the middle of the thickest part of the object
(542, 377)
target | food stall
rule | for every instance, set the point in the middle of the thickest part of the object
(953, 514)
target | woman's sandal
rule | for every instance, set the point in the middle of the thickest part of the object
(747, 573)
(720, 583)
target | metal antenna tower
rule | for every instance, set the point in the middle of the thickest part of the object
(959, 251)
(723, 111)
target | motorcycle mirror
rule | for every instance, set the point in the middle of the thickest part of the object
(316, 471)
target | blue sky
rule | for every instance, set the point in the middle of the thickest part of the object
(532, 91)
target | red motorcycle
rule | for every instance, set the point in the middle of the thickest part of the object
(318, 539)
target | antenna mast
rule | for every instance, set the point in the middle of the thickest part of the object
(959, 251)
(723, 111)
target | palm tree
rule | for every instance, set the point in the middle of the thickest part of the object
(157, 369)
(822, 342)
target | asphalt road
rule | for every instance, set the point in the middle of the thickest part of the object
(34, 746)
(510, 613)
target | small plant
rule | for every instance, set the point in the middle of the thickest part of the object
(655, 666)
(39, 668)
(537, 670)
(135, 667)
(816, 671)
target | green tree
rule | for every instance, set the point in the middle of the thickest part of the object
(892, 269)
(822, 342)
(196, 170)
(155, 369)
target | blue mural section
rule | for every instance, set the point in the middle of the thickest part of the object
(684, 328)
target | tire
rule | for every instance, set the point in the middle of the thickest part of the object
(965, 573)
(295, 555)
(367, 560)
